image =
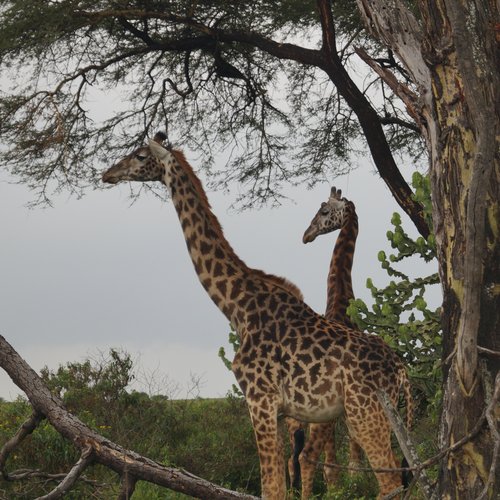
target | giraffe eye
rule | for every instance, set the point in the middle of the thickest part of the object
(140, 157)
(324, 211)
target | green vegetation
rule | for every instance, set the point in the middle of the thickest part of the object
(400, 313)
(210, 438)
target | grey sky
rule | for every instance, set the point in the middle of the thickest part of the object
(96, 273)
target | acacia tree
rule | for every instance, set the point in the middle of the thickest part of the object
(209, 68)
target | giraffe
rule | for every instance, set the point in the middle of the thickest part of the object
(336, 213)
(291, 361)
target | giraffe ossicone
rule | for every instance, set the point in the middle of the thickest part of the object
(291, 361)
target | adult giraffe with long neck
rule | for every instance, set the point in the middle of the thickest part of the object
(291, 361)
(335, 213)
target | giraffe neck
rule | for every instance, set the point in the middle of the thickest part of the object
(227, 279)
(339, 285)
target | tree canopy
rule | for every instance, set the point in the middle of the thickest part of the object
(255, 81)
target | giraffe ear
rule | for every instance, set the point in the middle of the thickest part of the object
(157, 149)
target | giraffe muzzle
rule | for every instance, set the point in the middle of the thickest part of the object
(309, 236)
(111, 176)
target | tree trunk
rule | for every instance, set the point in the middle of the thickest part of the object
(465, 174)
(455, 62)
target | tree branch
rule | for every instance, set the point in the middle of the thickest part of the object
(70, 479)
(394, 24)
(25, 430)
(128, 483)
(388, 120)
(492, 420)
(409, 98)
(370, 123)
(326, 59)
(404, 440)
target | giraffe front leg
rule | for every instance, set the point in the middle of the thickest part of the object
(264, 415)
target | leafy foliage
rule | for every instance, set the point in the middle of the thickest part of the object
(204, 71)
(400, 313)
(235, 344)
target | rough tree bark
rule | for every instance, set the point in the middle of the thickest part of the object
(131, 466)
(452, 54)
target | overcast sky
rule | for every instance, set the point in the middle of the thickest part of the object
(97, 273)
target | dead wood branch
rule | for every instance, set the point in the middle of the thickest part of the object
(407, 447)
(71, 477)
(25, 430)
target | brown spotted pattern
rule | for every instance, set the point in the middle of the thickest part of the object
(292, 361)
(336, 213)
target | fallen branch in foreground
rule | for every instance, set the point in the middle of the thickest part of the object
(93, 447)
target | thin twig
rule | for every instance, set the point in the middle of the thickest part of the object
(488, 352)
(491, 419)
(393, 493)
(407, 447)
(71, 477)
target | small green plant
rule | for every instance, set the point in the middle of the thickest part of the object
(234, 340)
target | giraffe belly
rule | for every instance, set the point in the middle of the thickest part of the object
(309, 409)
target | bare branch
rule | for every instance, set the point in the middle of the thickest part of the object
(25, 430)
(488, 352)
(128, 483)
(409, 98)
(495, 434)
(71, 477)
(394, 24)
(388, 120)
(405, 442)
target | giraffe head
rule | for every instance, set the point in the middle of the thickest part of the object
(143, 164)
(330, 216)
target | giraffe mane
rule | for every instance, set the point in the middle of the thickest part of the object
(276, 280)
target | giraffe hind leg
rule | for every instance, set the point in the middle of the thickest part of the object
(369, 426)
(296, 435)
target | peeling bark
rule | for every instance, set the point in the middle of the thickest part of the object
(453, 57)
